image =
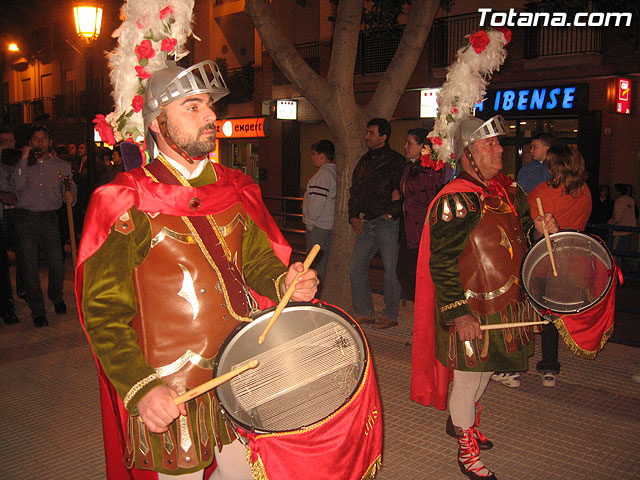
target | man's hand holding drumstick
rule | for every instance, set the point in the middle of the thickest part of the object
(157, 408)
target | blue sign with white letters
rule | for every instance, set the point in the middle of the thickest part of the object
(555, 100)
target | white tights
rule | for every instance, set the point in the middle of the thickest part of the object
(467, 389)
(232, 465)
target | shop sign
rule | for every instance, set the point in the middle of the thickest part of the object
(429, 102)
(241, 127)
(623, 95)
(556, 100)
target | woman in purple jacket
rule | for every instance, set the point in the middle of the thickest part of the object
(421, 181)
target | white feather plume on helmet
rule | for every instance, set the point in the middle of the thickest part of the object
(151, 30)
(465, 86)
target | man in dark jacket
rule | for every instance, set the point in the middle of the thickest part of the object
(375, 219)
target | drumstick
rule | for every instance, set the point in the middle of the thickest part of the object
(546, 238)
(498, 326)
(287, 295)
(213, 383)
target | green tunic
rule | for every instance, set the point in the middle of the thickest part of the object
(109, 305)
(448, 241)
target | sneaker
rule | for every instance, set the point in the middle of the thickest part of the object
(508, 379)
(548, 379)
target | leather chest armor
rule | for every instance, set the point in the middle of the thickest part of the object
(490, 262)
(188, 301)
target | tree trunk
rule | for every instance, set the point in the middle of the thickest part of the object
(334, 99)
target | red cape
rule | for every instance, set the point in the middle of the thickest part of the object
(429, 378)
(107, 204)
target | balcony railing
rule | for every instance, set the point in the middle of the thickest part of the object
(376, 50)
(240, 82)
(552, 41)
(448, 35)
(63, 106)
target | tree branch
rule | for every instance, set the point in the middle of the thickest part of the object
(345, 43)
(403, 64)
(282, 52)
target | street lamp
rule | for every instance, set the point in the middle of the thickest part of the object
(13, 47)
(88, 17)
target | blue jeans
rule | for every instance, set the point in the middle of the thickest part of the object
(322, 237)
(379, 234)
(38, 231)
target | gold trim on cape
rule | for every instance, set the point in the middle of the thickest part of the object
(574, 347)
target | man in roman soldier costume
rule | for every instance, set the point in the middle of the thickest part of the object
(174, 256)
(476, 234)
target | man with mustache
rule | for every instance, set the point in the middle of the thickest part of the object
(174, 256)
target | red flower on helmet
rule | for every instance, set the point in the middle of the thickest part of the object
(166, 11)
(145, 50)
(168, 44)
(506, 32)
(104, 130)
(479, 41)
(142, 73)
(137, 103)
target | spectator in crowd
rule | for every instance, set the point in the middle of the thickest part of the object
(319, 203)
(530, 176)
(567, 197)
(535, 172)
(7, 198)
(41, 193)
(624, 215)
(421, 180)
(375, 218)
(602, 209)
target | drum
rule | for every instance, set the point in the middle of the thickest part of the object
(580, 300)
(312, 403)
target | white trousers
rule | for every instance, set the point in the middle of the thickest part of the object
(232, 465)
(467, 389)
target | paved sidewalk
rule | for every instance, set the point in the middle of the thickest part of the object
(587, 427)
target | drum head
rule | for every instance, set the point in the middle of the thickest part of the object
(311, 363)
(585, 273)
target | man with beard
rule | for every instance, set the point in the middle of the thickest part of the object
(174, 256)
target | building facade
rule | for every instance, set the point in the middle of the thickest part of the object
(562, 80)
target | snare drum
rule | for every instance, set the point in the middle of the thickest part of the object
(580, 300)
(312, 404)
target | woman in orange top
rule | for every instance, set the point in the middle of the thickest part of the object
(567, 197)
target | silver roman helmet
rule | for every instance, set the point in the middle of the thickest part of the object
(173, 83)
(473, 129)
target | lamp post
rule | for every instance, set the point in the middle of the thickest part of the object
(88, 17)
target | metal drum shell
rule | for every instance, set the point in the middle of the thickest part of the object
(234, 351)
(538, 252)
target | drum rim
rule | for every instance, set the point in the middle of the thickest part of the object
(237, 423)
(541, 308)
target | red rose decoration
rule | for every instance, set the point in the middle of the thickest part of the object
(137, 103)
(168, 44)
(479, 41)
(166, 11)
(506, 32)
(104, 130)
(436, 140)
(142, 73)
(145, 50)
